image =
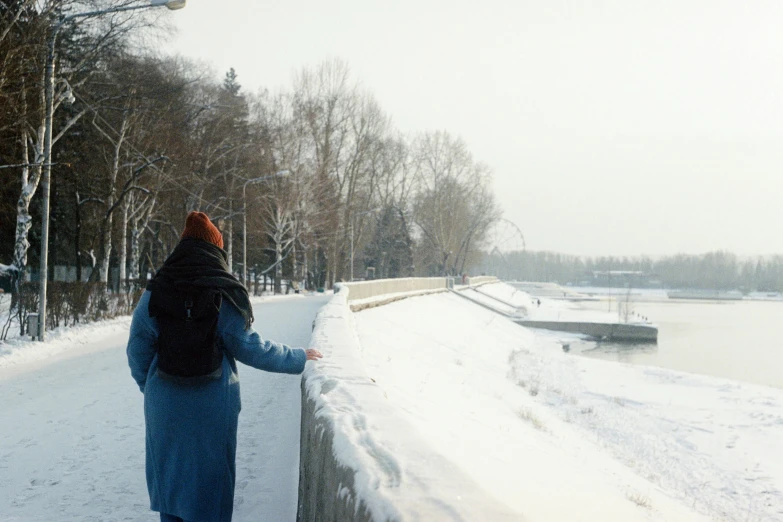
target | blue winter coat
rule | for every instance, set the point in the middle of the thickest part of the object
(192, 429)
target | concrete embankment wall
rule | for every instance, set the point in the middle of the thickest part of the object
(360, 460)
(610, 331)
(481, 280)
(368, 289)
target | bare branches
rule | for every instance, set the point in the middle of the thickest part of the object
(454, 207)
(9, 24)
(340, 188)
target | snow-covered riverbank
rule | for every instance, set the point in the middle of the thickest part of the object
(534, 431)
(557, 437)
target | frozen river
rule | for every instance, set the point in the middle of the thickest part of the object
(741, 340)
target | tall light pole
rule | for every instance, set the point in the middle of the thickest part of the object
(352, 250)
(47, 165)
(244, 217)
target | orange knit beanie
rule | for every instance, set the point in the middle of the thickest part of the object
(198, 226)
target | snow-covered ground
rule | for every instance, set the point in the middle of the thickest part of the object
(558, 437)
(647, 294)
(553, 310)
(74, 340)
(549, 309)
(765, 296)
(550, 436)
(72, 436)
(508, 294)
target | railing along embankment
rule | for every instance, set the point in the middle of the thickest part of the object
(369, 294)
(360, 460)
(482, 280)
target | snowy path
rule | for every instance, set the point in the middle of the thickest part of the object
(72, 431)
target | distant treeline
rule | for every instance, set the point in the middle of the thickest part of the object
(713, 270)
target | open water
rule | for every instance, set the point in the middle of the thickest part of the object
(741, 340)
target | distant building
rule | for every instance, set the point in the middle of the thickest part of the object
(624, 278)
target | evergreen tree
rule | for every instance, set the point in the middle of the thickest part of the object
(391, 250)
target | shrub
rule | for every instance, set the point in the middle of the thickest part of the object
(529, 417)
(80, 300)
(71, 303)
(28, 303)
(57, 304)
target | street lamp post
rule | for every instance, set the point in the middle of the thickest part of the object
(47, 159)
(244, 217)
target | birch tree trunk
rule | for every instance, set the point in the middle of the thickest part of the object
(293, 262)
(110, 200)
(32, 171)
(135, 253)
(278, 262)
(30, 181)
(305, 273)
(23, 218)
(124, 247)
(138, 224)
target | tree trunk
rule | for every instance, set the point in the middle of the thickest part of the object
(135, 253)
(29, 183)
(305, 270)
(278, 263)
(29, 186)
(108, 220)
(138, 224)
(77, 240)
(23, 218)
(293, 262)
(124, 248)
(103, 268)
(227, 240)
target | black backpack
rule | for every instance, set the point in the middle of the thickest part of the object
(188, 347)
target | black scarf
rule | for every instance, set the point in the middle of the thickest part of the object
(199, 263)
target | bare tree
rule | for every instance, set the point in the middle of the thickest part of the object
(324, 100)
(84, 40)
(148, 140)
(453, 207)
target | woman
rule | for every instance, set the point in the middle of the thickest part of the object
(191, 422)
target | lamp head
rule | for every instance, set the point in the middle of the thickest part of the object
(171, 4)
(70, 99)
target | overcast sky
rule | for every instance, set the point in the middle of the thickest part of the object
(612, 127)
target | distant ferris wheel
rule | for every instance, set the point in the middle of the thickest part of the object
(506, 237)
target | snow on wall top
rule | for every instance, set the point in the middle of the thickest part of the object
(399, 476)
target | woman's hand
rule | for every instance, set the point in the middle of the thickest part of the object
(313, 355)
